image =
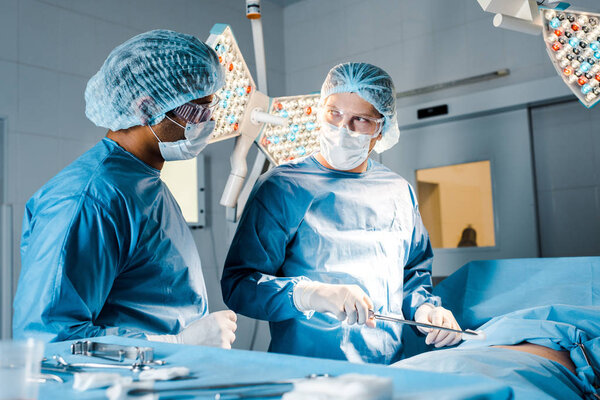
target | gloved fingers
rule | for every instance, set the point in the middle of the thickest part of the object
(229, 337)
(228, 325)
(231, 315)
(435, 336)
(450, 338)
(363, 312)
(436, 317)
(351, 312)
(225, 344)
(423, 330)
(340, 316)
(224, 314)
(450, 320)
(431, 336)
(367, 300)
(456, 340)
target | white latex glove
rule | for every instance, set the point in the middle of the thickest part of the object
(216, 329)
(345, 302)
(430, 314)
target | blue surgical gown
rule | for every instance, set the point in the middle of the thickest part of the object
(305, 221)
(106, 250)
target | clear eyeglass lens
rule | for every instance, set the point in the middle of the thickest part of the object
(357, 123)
(214, 102)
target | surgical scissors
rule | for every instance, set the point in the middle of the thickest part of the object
(477, 335)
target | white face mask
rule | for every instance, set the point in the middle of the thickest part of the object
(196, 139)
(342, 149)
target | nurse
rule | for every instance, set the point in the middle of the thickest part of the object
(105, 249)
(326, 239)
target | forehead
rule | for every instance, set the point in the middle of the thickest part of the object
(352, 103)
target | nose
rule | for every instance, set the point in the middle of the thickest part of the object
(346, 122)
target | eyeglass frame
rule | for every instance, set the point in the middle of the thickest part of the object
(204, 110)
(378, 121)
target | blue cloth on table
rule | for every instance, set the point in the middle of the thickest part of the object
(106, 250)
(215, 366)
(305, 221)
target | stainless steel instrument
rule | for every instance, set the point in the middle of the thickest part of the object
(115, 352)
(470, 334)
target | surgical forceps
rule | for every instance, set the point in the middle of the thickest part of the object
(477, 335)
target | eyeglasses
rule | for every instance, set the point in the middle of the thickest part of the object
(355, 123)
(195, 113)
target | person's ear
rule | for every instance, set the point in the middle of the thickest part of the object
(144, 109)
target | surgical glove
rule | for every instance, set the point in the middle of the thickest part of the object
(216, 329)
(345, 302)
(430, 314)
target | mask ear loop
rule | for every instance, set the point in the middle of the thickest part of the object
(154, 133)
(175, 122)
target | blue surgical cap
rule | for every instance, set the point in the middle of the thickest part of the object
(373, 85)
(149, 75)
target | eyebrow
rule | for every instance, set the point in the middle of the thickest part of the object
(358, 115)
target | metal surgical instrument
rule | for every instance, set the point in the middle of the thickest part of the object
(115, 352)
(136, 366)
(470, 334)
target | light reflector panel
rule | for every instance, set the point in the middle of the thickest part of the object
(573, 44)
(239, 85)
(300, 137)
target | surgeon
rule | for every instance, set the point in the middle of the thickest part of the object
(324, 240)
(105, 249)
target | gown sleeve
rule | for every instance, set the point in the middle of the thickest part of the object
(71, 254)
(417, 272)
(252, 281)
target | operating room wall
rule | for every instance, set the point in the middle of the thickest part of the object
(419, 43)
(49, 50)
(567, 162)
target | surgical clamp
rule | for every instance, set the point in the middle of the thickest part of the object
(115, 352)
(136, 366)
(477, 335)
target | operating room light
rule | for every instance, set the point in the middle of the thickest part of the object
(239, 86)
(572, 39)
(573, 44)
(236, 114)
(299, 137)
